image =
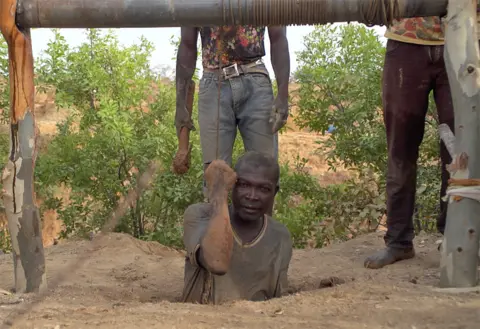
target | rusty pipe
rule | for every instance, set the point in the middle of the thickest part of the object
(174, 13)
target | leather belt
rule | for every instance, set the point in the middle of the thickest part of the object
(236, 70)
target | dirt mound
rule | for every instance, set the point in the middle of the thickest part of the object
(128, 283)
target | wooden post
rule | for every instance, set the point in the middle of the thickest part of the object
(18, 176)
(460, 247)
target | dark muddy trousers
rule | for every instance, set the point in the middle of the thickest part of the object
(410, 73)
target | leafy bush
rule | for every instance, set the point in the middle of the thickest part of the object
(339, 74)
(122, 117)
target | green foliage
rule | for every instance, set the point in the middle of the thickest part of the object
(4, 84)
(339, 74)
(340, 77)
(121, 118)
(121, 115)
(319, 215)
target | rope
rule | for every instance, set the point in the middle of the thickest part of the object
(462, 188)
(219, 60)
(379, 12)
(208, 279)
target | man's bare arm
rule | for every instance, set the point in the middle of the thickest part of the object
(280, 58)
(185, 67)
(216, 245)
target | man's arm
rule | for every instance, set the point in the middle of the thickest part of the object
(286, 256)
(186, 62)
(280, 58)
(209, 241)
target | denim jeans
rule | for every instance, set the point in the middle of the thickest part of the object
(245, 104)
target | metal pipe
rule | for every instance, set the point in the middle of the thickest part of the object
(174, 13)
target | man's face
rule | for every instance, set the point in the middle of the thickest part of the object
(253, 193)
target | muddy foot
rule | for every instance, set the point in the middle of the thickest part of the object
(388, 256)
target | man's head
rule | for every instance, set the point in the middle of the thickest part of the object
(256, 186)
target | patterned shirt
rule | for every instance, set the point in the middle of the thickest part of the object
(418, 30)
(241, 44)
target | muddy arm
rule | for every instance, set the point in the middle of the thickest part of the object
(181, 162)
(185, 88)
(216, 245)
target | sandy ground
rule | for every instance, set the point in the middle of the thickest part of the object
(128, 283)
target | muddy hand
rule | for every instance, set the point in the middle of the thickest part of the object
(279, 115)
(181, 161)
(219, 177)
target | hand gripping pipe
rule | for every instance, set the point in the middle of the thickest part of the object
(174, 13)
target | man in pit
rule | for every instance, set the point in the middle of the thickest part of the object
(236, 251)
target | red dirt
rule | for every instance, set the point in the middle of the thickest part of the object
(129, 283)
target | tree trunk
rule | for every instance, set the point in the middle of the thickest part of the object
(459, 252)
(18, 176)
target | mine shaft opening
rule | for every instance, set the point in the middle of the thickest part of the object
(304, 285)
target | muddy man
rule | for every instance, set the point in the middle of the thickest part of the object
(236, 251)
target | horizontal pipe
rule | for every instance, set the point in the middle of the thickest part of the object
(174, 13)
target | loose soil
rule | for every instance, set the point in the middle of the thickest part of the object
(129, 283)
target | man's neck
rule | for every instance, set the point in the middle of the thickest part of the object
(247, 231)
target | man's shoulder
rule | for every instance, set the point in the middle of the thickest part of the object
(279, 229)
(200, 209)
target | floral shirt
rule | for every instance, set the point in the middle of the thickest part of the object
(419, 30)
(241, 44)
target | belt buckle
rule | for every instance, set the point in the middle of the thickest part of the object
(227, 71)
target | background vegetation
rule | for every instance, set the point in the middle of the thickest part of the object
(121, 116)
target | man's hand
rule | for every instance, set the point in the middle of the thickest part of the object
(181, 160)
(279, 115)
(185, 89)
(220, 178)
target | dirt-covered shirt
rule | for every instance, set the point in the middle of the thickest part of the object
(241, 44)
(418, 30)
(422, 30)
(258, 269)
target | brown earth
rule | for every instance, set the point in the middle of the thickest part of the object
(129, 283)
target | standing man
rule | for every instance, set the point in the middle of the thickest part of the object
(414, 66)
(235, 89)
